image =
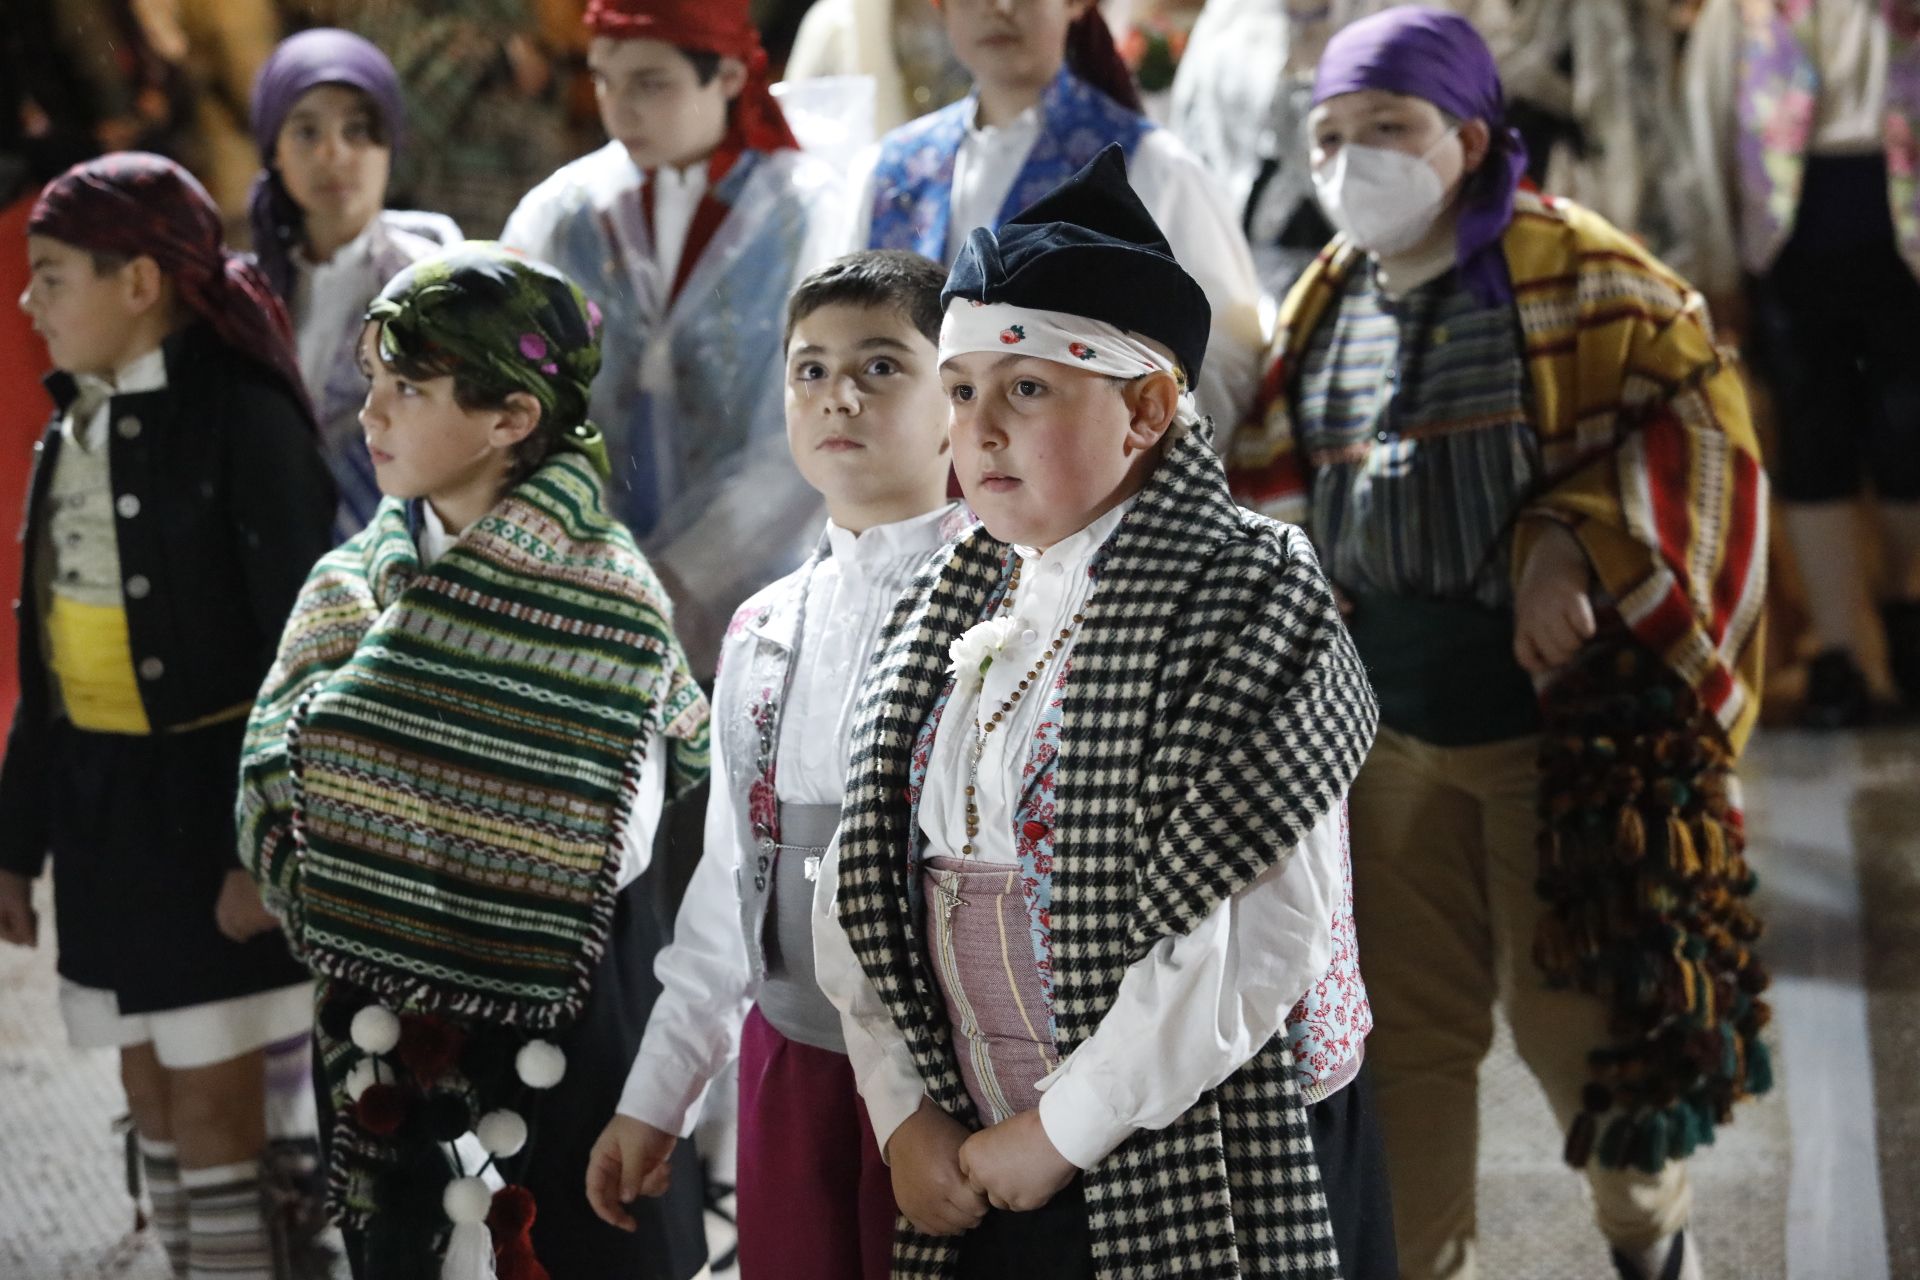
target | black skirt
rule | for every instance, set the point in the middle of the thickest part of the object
(142, 837)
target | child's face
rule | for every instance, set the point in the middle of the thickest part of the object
(1012, 43)
(1392, 122)
(1043, 450)
(653, 104)
(866, 415)
(88, 317)
(423, 443)
(329, 157)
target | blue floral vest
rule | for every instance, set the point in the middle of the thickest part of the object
(913, 178)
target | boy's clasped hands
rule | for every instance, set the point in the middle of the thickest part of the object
(946, 1177)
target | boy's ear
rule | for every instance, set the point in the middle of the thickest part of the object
(1475, 140)
(144, 285)
(519, 417)
(732, 77)
(1152, 401)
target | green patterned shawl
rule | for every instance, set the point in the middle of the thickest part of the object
(441, 759)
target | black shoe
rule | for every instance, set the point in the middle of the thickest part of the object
(1673, 1267)
(1903, 649)
(1837, 695)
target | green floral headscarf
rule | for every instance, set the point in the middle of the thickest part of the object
(496, 315)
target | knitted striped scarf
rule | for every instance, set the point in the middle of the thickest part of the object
(1217, 711)
(436, 772)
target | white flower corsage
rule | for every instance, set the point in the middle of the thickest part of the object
(974, 650)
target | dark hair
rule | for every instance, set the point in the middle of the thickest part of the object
(477, 393)
(706, 64)
(105, 263)
(907, 282)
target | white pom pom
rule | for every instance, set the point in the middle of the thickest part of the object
(365, 1074)
(540, 1064)
(375, 1030)
(467, 1200)
(502, 1133)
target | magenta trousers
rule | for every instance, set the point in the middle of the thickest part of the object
(815, 1200)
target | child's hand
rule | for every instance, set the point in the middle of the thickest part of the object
(927, 1182)
(19, 923)
(629, 1161)
(1015, 1164)
(239, 912)
(1552, 615)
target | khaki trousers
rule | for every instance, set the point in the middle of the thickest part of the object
(1443, 869)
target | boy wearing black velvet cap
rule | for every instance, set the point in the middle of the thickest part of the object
(1095, 804)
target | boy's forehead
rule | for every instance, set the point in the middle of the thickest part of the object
(852, 324)
(1362, 103)
(46, 251)
(612, 55)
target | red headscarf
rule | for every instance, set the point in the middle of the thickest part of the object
(1092, 56)
(135, 204)
(709, 26)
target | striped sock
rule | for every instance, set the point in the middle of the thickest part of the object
(160, 1163)
(227, 1226)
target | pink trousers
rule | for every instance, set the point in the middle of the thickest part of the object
(815, 1200)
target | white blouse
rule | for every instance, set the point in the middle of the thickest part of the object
(327, 297)
(1191, 208)
(650, 791)
(1206, 1002)
(707, 982)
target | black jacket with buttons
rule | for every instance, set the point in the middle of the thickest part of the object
(222, 504)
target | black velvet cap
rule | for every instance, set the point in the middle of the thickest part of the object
(1089, 248)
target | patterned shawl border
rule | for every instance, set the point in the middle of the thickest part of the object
(415, 994)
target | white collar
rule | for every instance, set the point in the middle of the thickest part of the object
(145, 372)
(1078, 550)
(921, 533)
(354, 253)
(690, 181)
(434, 540)
(1400, 275)
(1025, 124)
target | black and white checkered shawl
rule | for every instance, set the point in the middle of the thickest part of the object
(1217, 710)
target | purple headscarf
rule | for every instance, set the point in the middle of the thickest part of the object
(1431, 54)
(324, 55)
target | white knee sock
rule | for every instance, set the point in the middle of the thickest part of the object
(1824, 544)
(160, 1165)
(227, 1225)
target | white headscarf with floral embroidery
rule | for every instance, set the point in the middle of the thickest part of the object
(1079, 342)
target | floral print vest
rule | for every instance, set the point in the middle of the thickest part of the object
(1778, 91)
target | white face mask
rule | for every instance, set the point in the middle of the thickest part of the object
(1384, 200)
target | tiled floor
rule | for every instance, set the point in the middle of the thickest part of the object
(1813, 1183)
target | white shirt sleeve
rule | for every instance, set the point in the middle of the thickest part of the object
(1207, 1002)
(643, 819)
(707, 984)
(883, 1066)
(1202, 226)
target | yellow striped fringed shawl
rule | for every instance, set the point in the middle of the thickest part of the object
(1648, 456)
(1645, 442)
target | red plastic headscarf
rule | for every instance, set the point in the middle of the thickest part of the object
(710, 26)
(133, 204)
